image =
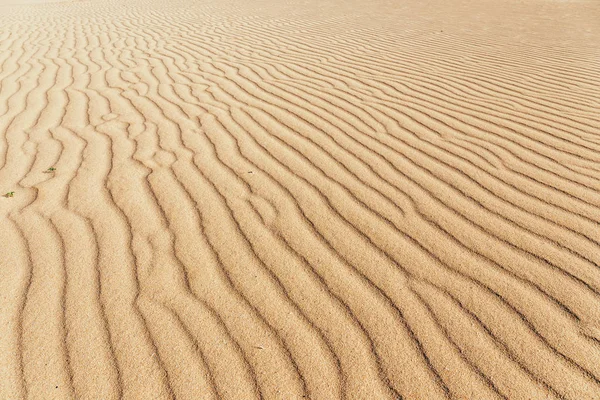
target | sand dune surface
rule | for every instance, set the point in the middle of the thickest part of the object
(303, 199)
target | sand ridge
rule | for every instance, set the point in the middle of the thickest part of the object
(305, 199)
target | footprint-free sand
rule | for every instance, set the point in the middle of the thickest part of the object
(300, 199)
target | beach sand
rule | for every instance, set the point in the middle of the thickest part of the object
(302, 199)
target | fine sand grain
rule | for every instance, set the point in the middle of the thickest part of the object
(300, 199)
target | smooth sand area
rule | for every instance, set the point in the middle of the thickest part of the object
(300, 199)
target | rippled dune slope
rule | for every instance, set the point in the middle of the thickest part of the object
(266, 199)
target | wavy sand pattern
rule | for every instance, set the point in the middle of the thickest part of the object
(303, 199)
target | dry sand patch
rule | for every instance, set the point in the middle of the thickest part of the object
(302, 199)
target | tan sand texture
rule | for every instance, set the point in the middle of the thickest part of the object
(300, 199)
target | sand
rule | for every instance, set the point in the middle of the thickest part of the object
(304, 199)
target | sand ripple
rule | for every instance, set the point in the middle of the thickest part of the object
(325, 200)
